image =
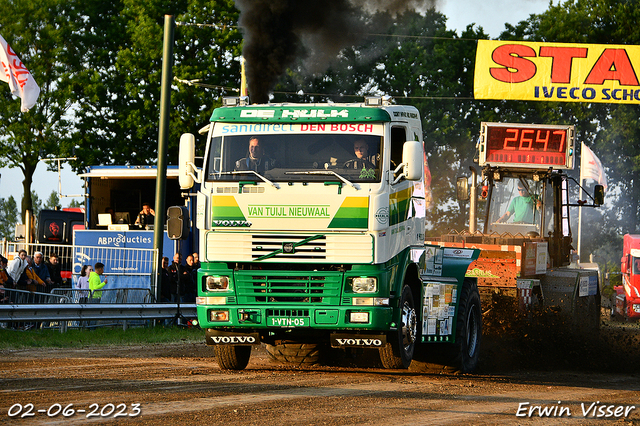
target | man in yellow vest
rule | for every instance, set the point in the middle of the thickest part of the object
(95, 283)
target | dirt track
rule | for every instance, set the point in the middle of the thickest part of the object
(182, 384)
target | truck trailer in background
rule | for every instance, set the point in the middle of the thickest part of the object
(628, 294)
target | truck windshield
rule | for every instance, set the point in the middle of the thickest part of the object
(286, 152)
(516, 206)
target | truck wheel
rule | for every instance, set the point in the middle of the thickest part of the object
(399, 352)
(468, 328)
(232, 357)
(295, 353)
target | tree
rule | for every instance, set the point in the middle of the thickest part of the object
(98, 65)
(8, 217)
(119, 120)
(53, 202)
(41, 33)
(36, 204)
(75, 203)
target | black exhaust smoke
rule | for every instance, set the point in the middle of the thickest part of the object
(277, 32)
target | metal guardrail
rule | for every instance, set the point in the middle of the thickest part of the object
(65, 309)
(125, 267)
(94, 311)
(112, 295)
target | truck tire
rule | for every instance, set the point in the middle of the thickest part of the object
(232, 357)
(466, 349)
(295, 353)
(398, 353)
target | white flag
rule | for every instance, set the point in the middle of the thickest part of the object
(20, 80)
(591, 167)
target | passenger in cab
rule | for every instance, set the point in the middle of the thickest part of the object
(362, 160)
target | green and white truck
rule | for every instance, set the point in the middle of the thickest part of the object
(316, 238)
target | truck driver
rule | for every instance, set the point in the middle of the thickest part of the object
(255, 160)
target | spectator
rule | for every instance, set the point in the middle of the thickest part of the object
(83, 284)
(53, 265)
(189, 261)
(174, 274)
(190, 289)
(31, 279)
(181, 275)
(165, 281)
(5, 280)
(41, 269)
(95, 283)
(16, 267)
(194, 272)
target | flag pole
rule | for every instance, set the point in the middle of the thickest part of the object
(580, 198)
(580, 222)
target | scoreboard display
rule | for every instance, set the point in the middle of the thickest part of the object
(530, 146)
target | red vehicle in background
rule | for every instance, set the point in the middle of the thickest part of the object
(628, 294)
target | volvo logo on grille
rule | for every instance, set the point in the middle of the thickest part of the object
(288, 248)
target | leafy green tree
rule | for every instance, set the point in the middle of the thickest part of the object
(75, 203)
(41, 33)
(8, 217)
(119, 121)
(53, 202)
(98, 65)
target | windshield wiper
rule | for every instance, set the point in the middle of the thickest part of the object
(241, 172)
(325, 172)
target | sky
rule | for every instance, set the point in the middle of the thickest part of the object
(491, 15)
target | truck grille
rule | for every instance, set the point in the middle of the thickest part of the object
(276, 246)
(288, 287)
(244, 246)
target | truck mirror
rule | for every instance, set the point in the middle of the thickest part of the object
(186, 156)
(413, 159)
(462, 188)
(598, 195)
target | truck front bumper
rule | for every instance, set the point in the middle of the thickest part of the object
(292, 317)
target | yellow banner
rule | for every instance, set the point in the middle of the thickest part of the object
(557, 72)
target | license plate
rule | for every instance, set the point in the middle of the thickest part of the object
(288, 322)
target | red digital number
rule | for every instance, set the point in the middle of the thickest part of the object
(525, 140)
(563, 135)
(545, 140)
(514, 139)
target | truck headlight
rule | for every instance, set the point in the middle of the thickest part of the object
(217, 283)
(359, 317)
(211, 300)
(370, 301)
(364, 284)
(219, 316)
